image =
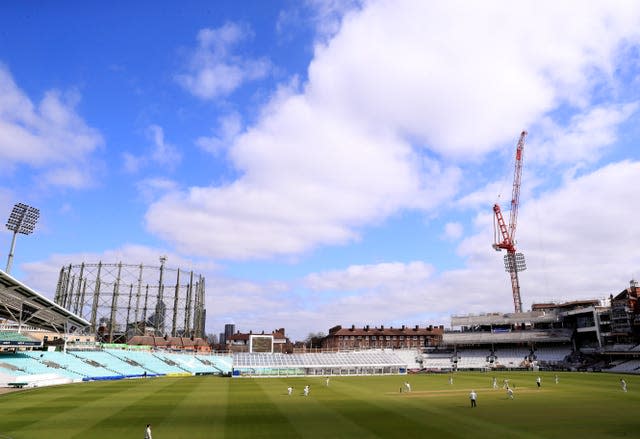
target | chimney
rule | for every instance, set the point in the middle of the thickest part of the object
(366, 328)
(382, 327)
(403, 327)
(416, 328)
(353, 327)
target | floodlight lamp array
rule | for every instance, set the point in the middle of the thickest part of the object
(23, 219)
(514, 262)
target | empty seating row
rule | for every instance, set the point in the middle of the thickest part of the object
(361, 358)
(110, 364)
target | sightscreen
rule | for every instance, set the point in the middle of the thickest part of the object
(261, 343)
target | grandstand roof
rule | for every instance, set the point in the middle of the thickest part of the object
(525, 336)
(23, 305)
(565, 305)
(504, 319)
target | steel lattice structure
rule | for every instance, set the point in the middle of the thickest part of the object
(123, 300)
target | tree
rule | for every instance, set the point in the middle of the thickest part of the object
(212, 339)
(314, 340)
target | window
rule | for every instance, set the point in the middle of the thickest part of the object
(373, 337)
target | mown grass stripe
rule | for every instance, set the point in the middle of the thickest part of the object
(66, 418)
(252, 414)
(585, 405)
(308, 415)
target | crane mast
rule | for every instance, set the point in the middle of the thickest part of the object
(504, 236)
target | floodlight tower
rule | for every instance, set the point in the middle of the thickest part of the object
(22, 219)
(161, 309)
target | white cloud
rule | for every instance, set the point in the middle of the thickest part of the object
(7, 198)
(401, 91)
(358, 277)
(453, 230)
(328, 14)
(214, 70)
(463, 77)
(583, 140)
(229, 128)
(151, 188)
(160, 153)
(50, 138)
(298, 190)
(483, 197)
(163, 153)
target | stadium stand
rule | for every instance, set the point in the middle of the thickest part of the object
(146, 361)
(437, 361)
(412, 357)
(629, 366)
(472, 359)
(552, 354)
(371, 362)
(85, 365)
(200, 364)
(511, 357)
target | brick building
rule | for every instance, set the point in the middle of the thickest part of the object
(377, 338)
(185, 344)
(241, 342)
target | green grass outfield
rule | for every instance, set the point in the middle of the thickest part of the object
(581, 406)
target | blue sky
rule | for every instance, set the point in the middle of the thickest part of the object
(326, 163)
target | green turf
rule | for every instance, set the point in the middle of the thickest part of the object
(581, 405)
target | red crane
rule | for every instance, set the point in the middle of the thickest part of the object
(504, 237)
